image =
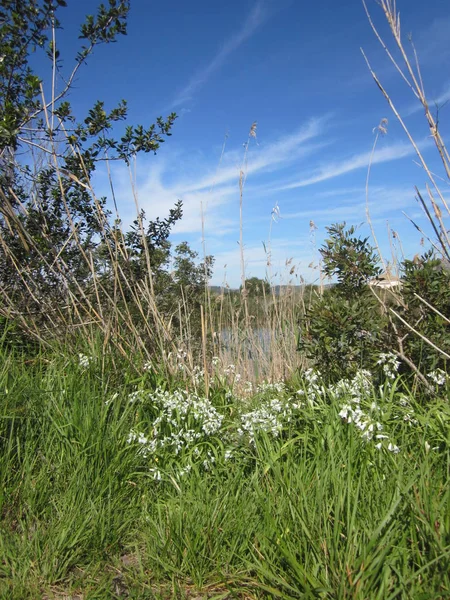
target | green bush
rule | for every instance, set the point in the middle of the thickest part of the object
(426, 283)
(342, 334)
(343, 329)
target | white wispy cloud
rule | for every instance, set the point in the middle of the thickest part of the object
(216, 192)
(253, 21)
(432, 42)
(382, 202)
(438, 101)
(357, 161)
(444, 97)
(157, 197)
(266, 157)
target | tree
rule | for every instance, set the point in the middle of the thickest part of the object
(352, 260)
(425, 284)
(255, 286)
(343, 329)
(190, 277)
(56, 236)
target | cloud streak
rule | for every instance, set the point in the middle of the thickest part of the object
(357, 161)
(442, 99)
(382, 201)
(253, 21)
(218, 189)
(270, 157)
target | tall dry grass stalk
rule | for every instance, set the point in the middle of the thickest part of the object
(434, 206)
(259, 333)
(261, 344)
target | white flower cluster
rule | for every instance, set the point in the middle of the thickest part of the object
(184, 419)
(390, 364)
(268, 387)
(408, 416)
(198, 374)
(136, 396)
(209, 460)
(84, 361)
(156, 474)
(314, 389)
(181, 357)
(366, 423)
(147, 446)
(233, 377)
(247, 388)
(230, 370)
(229, 395)
(359, 387)
(365, 418)
(268, 418)
(439, 377)
(358, 406)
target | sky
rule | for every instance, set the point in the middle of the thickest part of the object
(296, 70)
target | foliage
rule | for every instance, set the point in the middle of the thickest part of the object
(25, 27)
(344, 333)
(49, 212)
(112, 485)
(187, 275)
(347, 327)
(187, 288)
(254, 286)
(343, 328)
(63, 256)
(351, 259)
(426, 294)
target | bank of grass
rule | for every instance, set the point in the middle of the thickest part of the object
(279, 495)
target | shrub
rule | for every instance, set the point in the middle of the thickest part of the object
(343, 329)
(426, 284)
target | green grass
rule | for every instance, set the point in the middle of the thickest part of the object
(312, 512)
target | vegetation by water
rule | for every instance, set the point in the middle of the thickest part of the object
(145, 453)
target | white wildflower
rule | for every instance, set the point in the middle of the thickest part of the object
(230, 370)
(390, 364)
(84, 361)
(438, 376)
(108, 401)
(136, 396)
(156, 474)
(248, 387)
(185, 470)
(393, 448)
(270, 387)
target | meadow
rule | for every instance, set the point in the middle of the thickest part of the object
(160, 438)
(130, 485)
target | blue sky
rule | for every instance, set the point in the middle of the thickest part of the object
(296, 69)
